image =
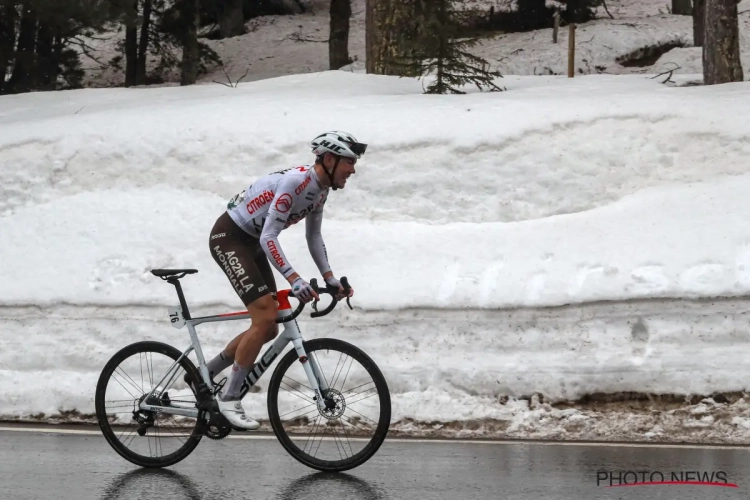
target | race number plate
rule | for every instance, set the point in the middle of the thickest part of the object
(176, 317)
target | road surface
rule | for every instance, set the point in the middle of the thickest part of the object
(52, 462)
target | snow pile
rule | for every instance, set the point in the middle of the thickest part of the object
(519, 206)
(561, 193)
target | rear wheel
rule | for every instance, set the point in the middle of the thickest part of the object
(353, 422)
(147, 438)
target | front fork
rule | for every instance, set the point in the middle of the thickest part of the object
(314, 373)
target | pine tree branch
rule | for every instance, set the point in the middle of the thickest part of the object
(297, 37)
(664, 73)
(86, 49)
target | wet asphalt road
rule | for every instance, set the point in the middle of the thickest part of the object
(45, 465)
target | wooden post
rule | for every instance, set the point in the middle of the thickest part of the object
(557, 26)
(572, 51)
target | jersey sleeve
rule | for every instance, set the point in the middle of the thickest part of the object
(276, 220)
(315, 240)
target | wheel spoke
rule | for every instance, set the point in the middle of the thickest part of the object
(310, 411)
(366, 418)
(336, 371)
(126, 389)
(343, 383)
(362, 399)
(357, 387)
(306, 398)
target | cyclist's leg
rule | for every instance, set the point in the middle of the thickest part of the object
(263, 328)
(236, 253)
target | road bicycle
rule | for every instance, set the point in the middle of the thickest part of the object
(158, 400)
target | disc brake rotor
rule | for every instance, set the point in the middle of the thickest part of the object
(335, 405)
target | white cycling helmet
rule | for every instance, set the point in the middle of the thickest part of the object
(338, 143)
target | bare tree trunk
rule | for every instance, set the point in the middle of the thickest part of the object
(47, 66)
(231, 18)
(131, 44)
(699, 22)
(140, 72)
(371, 38)
(721, 48)
(338, 43)
(392, 31)
(57, 47)
(7, 38)
(24, 69)
(190, 48)
(557, 26)
(682, 7)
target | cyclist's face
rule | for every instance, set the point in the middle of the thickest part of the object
(343, 171)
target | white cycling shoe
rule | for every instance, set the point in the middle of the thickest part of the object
(235, 413)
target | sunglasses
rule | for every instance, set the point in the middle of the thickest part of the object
(357, 148)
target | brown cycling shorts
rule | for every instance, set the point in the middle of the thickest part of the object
(242, 259)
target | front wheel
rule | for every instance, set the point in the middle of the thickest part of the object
(350, 426)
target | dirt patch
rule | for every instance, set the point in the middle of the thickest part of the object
(647, 56)
(640, 399)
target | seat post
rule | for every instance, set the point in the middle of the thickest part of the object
(181, 296)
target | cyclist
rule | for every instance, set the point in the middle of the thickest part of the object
(244, 240)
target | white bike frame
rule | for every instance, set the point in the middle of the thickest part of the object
(291, 333)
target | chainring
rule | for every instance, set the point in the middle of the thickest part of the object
(217, 433)
(217, 427)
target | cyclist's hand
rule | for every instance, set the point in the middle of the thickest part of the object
(331, 281)
(303, 291)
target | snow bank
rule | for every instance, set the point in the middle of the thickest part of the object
(450, 373)
(615, 188)
(588, 191)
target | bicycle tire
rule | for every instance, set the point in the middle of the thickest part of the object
(382, 389)
(109, 434)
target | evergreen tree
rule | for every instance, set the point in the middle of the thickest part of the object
(580, 11)
(443, 51)
(169, 27)
(37, 39)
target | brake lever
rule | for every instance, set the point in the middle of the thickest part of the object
(345, 284)
(314, 285)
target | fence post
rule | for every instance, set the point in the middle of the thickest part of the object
(571, 50)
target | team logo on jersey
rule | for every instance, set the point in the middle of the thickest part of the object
(284, 203)
(302, 186)
(275, 253)
(236, 200)
(259, 201)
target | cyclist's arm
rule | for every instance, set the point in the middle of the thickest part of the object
(315, 242)
(275, 223)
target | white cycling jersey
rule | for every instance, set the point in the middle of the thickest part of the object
(276, 201)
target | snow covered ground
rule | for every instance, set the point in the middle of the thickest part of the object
(287, 45)
(512, 252)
